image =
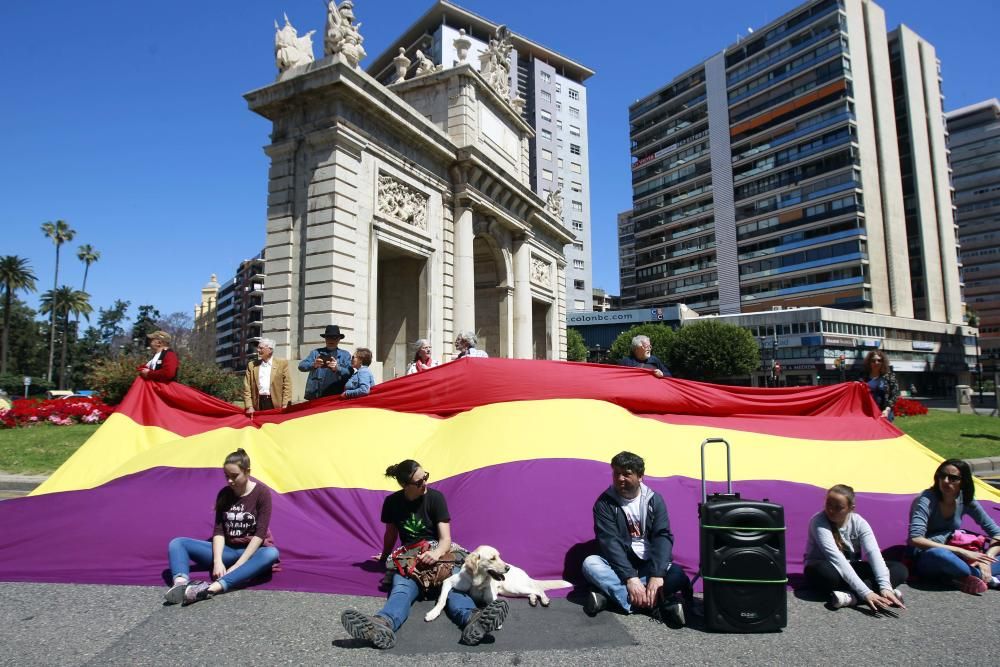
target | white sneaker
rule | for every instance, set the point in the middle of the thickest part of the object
(840, 599)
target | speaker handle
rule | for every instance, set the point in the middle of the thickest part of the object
(729, 469)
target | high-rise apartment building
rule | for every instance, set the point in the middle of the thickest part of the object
(239, 315)
(974, 140)
(805, 165)
(552, 87)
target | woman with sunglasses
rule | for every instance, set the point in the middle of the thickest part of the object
(936, 514)
(881, 382)
(412, 514)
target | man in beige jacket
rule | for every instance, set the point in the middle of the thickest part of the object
(267, 383)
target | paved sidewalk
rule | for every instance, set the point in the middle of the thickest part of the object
(15, 486)
(58, 624)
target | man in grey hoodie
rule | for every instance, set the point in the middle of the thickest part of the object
(634, 568)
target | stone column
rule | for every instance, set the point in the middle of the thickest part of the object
(522, 299)
(465, 272)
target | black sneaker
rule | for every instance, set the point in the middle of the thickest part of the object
(372, 629)
(671, 612)
(595, 603)
(484, 621)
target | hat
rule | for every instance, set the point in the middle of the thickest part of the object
(332, 331)
(159, 335)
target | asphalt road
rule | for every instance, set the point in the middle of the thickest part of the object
(58, 624)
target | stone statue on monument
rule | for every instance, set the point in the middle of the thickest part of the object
(554, 202)
(342, 36)
(425, 65)
(290, 50)
(494, 62)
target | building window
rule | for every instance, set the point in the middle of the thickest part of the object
(578, 246)
(547, 135)
(560, 163)
(576, 186)
(558, 87)
(574, 94)
(579, 284)
(546, 154)
(577, 206)
(574, 149)
(574, 130)
(577, 263)
(545, 115)
(579, 304)
(578, 225)
(574, 112)
(545, 76)
(547, 174)
(558, 105)
(575, 167)
(546, 96)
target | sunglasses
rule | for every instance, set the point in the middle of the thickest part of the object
(419, 482)
(953, 479)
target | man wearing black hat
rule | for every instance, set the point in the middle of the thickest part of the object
(329, 367)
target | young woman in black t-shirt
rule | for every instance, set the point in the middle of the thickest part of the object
(412, 514)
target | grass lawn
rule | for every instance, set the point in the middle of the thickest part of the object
(40, 449)
(953, 435)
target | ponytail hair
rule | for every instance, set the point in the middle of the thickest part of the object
(847, 492)
(402, 471)
(239, 458)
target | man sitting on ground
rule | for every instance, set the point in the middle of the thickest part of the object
(642, 357)
(634, 568)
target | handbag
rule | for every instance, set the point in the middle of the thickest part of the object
(405, 561)
(966, 540)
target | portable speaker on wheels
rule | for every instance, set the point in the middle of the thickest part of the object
(742, 559)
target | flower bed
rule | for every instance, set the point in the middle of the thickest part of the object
(908, 408)
(59, 412)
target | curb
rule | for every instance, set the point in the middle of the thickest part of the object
(985, 467)
(24, 483)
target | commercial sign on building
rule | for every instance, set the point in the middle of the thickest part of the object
(619, 316)
(838, 341)
(925, 345)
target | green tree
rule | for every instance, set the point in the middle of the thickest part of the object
(88, 256)
(64, 302)
(709, 350)
(661, 337)
(15, 275)
(145, 323)
(60, 232)
(109, 323)
(576, 349)
(112, 377)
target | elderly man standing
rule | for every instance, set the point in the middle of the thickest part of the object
(634, 568)
(267, 383)
(329, 367)
(642, 357)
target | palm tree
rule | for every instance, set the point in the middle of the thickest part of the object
(15, 274)
(62, 302)
(60, 232)
(88, 256)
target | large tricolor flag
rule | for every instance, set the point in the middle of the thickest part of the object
(520, 449)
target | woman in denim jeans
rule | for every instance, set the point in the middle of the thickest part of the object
(418, 513)
(241, 548)
(936, 514)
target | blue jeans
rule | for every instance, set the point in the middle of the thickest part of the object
(405, 591)
(943, 564)
(600, 575)
(184, 550)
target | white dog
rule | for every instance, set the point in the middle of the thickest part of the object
(484, 576)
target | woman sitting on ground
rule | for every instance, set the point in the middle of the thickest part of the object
(936, 514)
(881, 382)
(465, 343)
(241, 548)
(422, 360)
(837, 537)
(362, 381)
(414, 513)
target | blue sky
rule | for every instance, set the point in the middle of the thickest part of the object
(126, 118)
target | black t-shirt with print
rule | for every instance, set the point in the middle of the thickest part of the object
(416, 519)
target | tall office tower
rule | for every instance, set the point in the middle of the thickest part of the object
(555, 107)
(626, 259)
(974, 140)
(771, 175)
(239, 315)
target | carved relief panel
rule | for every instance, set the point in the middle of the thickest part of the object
(400, 201)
